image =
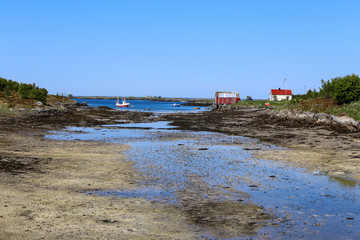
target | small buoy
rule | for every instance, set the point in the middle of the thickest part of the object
(132, 105)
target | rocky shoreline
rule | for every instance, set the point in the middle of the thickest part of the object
(316, 118)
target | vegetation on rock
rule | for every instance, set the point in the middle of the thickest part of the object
(26, 91)
(338, 96)
(343, 90)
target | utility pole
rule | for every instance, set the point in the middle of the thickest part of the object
(284, 83)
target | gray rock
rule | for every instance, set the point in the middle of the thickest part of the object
(348, 121)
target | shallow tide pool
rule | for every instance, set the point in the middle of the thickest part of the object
(183, 165)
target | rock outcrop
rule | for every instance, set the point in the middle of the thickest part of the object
(316, 118)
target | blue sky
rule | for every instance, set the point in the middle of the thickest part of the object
(178, 48)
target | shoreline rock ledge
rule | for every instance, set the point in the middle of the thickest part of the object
(316, 118)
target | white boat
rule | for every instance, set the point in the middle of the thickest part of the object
(176, 105)
(123, 104)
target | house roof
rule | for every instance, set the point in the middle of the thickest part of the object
(281, 92)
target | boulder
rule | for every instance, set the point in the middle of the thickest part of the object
(348, 121)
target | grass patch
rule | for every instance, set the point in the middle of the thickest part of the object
(261, 104)
(6, 111)
(351, 110)
(319, 105)
(329, 106)
(13, 104)
(316, 105)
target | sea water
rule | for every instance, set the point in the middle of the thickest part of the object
(143, 105)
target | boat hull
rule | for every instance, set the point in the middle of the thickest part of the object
(122, 105)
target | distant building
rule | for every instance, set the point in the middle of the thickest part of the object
(227, 97)
(280, 94)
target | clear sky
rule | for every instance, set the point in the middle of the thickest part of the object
(178, 48)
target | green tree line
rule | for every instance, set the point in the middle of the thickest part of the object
(26, 91)
(342, 89)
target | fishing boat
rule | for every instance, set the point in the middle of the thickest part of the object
(123, 104)
(176, 105)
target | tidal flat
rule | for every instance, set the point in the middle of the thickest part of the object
(149, 180)
(49, 201)
(223, 188)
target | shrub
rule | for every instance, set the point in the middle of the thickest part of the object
(341, 89)
(8, 85)
(25, 89)
(3, 84)
(327, 87)
(347, 89)
(30, 91)
(39, 94)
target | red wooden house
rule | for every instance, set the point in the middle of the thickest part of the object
(227, 97)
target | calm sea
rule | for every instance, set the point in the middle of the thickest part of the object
(143, 105)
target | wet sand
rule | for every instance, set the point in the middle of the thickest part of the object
(43, 186)
(48, 200)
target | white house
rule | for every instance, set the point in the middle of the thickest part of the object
(280, 94)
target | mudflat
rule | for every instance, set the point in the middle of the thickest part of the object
(46, 185)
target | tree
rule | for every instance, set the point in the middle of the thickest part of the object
(39, 94)
(24, 90)
(347, 89)
(248, 98)
(31, 91)
(8, 85)
(311, 94)
(327, 88)
(27, 91)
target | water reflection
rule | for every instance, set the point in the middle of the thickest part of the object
(344, 182)
(150, 125)
(149, 193)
